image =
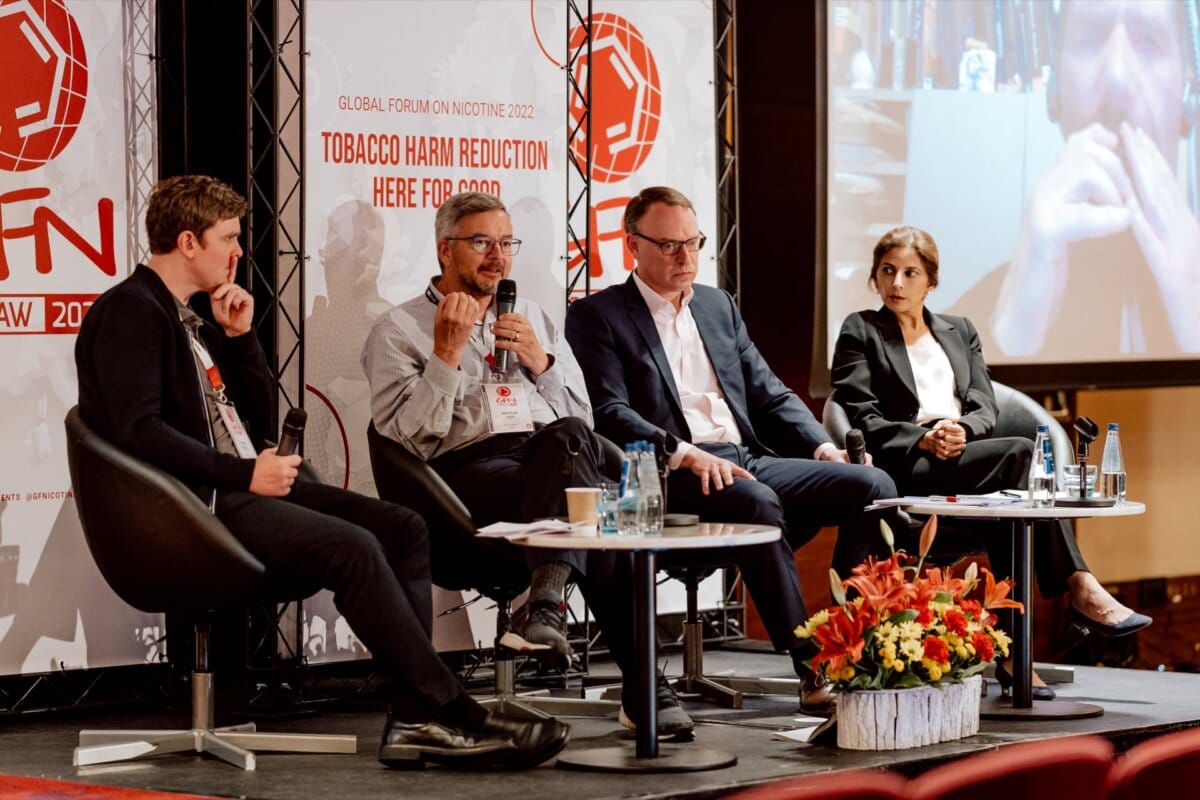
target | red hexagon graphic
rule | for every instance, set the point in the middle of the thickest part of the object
(45, 81)
(627, 102)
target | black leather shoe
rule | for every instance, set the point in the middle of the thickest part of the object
(502, 742)
(1131, 624)
(816, 698)
(1005, 679)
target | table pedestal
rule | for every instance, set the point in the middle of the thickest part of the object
(648, 756)
(1021, 705)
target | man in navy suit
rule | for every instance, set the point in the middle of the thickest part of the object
(671, 363)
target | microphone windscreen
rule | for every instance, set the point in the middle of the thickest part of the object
(856, 446)
(506, 295)
(292, 431)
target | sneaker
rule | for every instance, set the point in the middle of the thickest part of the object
(673, 721)
(544, 623)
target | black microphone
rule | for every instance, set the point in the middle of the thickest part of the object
(292, 433)
(856, 446)
(506, 300)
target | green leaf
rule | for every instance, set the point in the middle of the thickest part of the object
(942, 597)
(907, 615)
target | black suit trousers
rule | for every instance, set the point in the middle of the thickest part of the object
(989, 465)
(521, 478)
(373, 555)
(799, 496)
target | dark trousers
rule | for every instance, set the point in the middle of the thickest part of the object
(989, 465)
(373, 555)
(521, 478)
(800, 496)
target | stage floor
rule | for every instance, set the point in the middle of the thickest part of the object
(1137, 704)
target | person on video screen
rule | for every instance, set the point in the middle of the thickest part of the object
(1107, 261)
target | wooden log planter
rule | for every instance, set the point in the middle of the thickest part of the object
(895, 719)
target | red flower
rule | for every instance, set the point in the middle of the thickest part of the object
(983, 646)
(956, 621)
(925, 616)
(936, 649)
(841, 639)
(974, 608)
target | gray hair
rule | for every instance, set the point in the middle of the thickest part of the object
(463, 204)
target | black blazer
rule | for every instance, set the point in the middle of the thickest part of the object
(874, 382)
(634, 395)
(139, 386)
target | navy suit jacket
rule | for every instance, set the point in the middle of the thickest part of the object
(634, 395)
(873, 380)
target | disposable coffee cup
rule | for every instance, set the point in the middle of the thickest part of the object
(581, 506)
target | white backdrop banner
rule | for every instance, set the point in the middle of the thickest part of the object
(63, 222)
(408, 103)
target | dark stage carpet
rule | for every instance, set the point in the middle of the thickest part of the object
(1137, 705)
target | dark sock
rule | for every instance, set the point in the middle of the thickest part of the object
(407, 709)
(463, 712)
(549, 582)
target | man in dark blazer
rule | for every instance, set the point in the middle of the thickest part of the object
(671, 363)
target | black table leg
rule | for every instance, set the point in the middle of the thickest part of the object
(645, 604)
(1021, 705)
(646, 757)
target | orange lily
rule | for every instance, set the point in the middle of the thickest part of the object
(995, 593)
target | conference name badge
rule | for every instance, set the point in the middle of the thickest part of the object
(237, 431)
(507, 407)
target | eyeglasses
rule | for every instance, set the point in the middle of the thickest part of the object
(484, 244)
(670, 247)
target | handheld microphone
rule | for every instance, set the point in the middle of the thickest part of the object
(506, 300)
(292, 433)
(856, 446)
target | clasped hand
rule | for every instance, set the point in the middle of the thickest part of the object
(945, 440)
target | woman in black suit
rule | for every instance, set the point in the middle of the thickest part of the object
(917, 386)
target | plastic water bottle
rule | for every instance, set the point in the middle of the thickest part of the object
(1112, 465)
(651, 488)
(1041, 470)
(631, 507)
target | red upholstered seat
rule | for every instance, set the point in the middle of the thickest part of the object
(1162, 767)
(1054, 769)
(852, 785)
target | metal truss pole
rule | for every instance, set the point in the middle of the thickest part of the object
(141, 164)
(275, 230)
(725, 84)
(275, 247)
(579, 170)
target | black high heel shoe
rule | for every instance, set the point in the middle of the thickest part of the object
(1131, 624)
(1005, 679)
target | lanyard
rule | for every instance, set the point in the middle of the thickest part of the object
(210, 369)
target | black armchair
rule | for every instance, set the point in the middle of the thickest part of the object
(401, 477)
(161, 550)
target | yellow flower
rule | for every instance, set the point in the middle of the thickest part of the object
(818, 619)
(911, 630)
(898, 665)
(961, 651)
(847, 673)
(933, 668)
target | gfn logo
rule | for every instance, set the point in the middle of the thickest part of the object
(627, 102)
(45, 81)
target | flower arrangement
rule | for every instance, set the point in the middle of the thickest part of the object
(905, 629)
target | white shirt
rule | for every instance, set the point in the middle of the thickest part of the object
(935, 380)
(705, 411)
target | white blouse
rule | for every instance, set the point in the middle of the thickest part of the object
(935, 380)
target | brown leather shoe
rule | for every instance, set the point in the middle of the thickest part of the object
(816, 696)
